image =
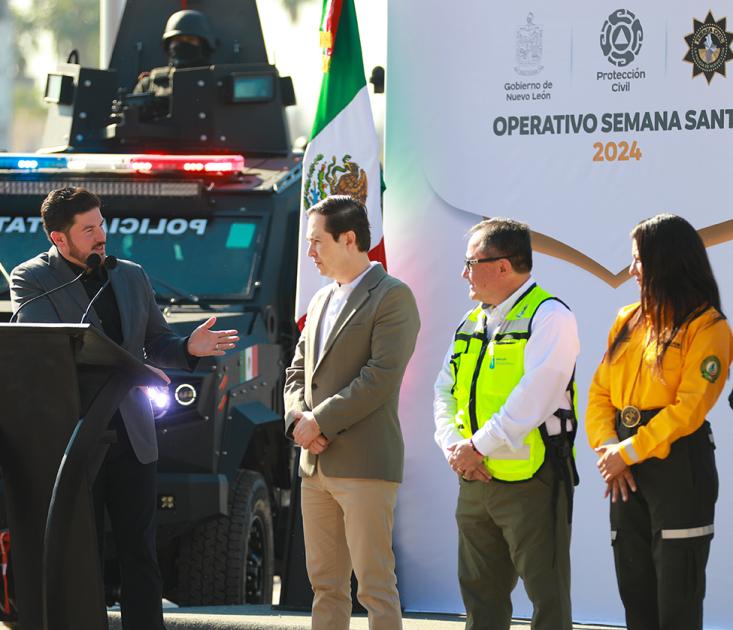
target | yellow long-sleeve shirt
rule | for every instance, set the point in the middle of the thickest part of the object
(694, 371)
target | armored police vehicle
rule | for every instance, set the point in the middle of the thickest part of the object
(200, 186)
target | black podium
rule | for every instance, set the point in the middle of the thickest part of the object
(59, 387)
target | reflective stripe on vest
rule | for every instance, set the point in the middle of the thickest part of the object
(486, 370)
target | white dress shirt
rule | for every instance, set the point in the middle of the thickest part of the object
(549, 361)
(337, 298)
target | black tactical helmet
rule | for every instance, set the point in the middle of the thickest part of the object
(189, 22)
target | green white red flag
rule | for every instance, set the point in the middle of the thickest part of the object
(342, 157)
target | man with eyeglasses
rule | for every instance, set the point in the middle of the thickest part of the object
(505, 420)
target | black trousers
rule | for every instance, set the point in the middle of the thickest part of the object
(661, 536)
(127, 489)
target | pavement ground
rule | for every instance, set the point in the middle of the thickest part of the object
(271, 617)
(265, 617)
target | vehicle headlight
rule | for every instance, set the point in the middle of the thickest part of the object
(160, 399)
(185, 394)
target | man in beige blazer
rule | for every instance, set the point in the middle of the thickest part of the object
(341, 396)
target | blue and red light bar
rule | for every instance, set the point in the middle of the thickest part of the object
(30, 161)
(211, 164)
(121, 163)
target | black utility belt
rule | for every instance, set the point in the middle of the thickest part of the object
(630, 418)
(558, 446)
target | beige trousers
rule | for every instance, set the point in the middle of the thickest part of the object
(348, 523)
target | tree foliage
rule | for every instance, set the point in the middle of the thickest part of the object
(74, 24)
(292, 7)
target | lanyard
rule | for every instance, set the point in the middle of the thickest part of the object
(490, 342)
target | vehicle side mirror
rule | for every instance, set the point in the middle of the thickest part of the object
(287, 91)
(377, 79)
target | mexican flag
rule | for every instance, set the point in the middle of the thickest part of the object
(342, 157)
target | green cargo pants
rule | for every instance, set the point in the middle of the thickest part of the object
(511, 530)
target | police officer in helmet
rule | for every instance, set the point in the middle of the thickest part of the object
(188, 41)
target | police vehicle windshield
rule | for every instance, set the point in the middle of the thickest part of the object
(187, 259)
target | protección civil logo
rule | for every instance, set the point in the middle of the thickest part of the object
(622, 36)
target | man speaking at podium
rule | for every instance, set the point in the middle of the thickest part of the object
(124, 308)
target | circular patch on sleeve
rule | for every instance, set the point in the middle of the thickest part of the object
(710, 368)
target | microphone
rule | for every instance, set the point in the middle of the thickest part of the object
(109, 264)
(92, 262)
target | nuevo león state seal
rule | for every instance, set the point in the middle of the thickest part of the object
(529, 48)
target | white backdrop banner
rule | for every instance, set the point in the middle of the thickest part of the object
(580, 119)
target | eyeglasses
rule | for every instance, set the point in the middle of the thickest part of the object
(470, 262)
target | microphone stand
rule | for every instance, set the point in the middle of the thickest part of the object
(96, 295)
(38, 297)
(92, 262)
(109, 264)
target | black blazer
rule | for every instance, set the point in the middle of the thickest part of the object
(145, 332)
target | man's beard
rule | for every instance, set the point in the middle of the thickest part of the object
(78, 255)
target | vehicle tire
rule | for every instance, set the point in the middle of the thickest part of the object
(230, 559)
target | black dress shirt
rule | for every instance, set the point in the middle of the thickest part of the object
(105, 306)
(108, 312)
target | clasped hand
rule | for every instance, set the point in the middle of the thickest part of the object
(465, 461)
(307, 433)
(615, 472)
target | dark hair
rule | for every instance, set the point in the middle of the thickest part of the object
(61, 206)
(677, 282)
(343, 214)
(507, 238)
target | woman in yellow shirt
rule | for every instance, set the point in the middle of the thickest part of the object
(667, 361)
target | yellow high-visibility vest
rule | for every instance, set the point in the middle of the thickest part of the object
(486, 370)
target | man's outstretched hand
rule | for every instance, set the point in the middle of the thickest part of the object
(205, 342)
